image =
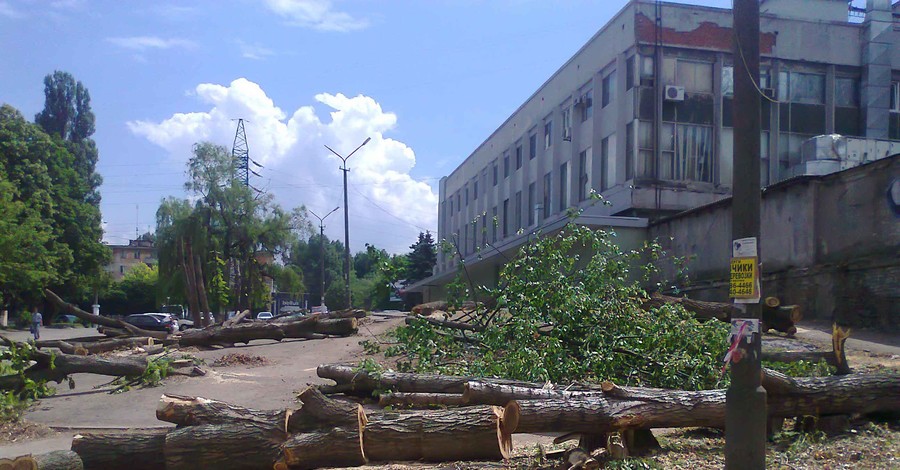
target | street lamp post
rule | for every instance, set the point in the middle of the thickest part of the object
(347, 217)
(322, 248)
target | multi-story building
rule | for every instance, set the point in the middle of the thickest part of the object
(642, 114)
(124, 257)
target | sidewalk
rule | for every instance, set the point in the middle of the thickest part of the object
(864, 340)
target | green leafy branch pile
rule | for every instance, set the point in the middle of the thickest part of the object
(15, 359)
(569, 309)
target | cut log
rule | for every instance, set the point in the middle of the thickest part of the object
(837, 357)
(781, 318)
(351, 379)
(420, 400)
(337, 447)
(471, 433)
(193, 411)
(487, 393)
(236, 319)
(357, 313)
(319, 412)
(97, 319)
(239, 445)
(58, 460)
(635, 408)
(132, 450)
(308, 327)
(96, 347)
(701, 309)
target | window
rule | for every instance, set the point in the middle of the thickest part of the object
(798, 87)
(532, 146)
(548, 188)
(531, 200)
(629, 151)
(465, 240)
(895, 97)
(475, 190)
(467, 195)
(458, 202)
(483, 229)
(645, 149)
(548, 131)
(121, 269)
(604, 163)
(494, 223)
(137, 255)
(451, 205)
(609, 89)
(567, 123)
(495, 172)
(584, 168)
(563, 186)
(629, 73)
(695, 77)
(518, 208)
(506, 165)
(587, 108)
(505, 223)
(689, 157)
(846, 106)
(124, 255)
(518, 156)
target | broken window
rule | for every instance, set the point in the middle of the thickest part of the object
(584, 180)
(548, 131)
(846, 106)
(563, 186)
(695, 77)
(567, 123)
(686, 152)
(800, 87)
(645, 149)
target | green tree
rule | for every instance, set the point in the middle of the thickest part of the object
(135, 293)
(23, 251)
(67, 108)
(305, 255)
(231, 228)
(422, 258)
(42, 173)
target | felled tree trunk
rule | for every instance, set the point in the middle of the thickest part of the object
(486, 393)
(318, 412)
(308, 327)
(56, 460)
(471, 433)
(780, 317)
(623, 408)
(96, 347)
(357, 313)
(131, 450)
(349, 379)
(420, 400)
(705, 310)
(194, 411)
(105, 321)
(837, 357)
(238, 445)
(336, 447)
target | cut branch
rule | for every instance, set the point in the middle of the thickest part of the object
(97, 319)
(132, 450)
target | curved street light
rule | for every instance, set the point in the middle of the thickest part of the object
(322, 248)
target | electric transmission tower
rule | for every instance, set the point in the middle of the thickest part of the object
(240, 153)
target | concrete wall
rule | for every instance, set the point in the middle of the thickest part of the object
(829, 243)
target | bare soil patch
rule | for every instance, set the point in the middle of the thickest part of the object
(240, 359)
(18, 431)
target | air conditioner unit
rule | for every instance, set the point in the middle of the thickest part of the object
(674, 93)
(769, 92)
(578, 101)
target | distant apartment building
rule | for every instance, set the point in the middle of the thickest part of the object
(642, 114)
(124, 257)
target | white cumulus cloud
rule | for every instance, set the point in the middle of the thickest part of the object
(388, 207)
(143, 43)
(315, 14)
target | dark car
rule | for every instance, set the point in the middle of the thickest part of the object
(154, 321)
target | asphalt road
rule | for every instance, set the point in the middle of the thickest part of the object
(292, 365)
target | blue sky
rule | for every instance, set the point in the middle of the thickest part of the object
(427, 80)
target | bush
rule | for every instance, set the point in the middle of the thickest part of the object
(569, 309)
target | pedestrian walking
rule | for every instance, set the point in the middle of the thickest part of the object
(36, 320)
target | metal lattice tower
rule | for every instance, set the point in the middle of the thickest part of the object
(240, 153)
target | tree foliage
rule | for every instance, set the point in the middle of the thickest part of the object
(45, 194)
(569, 309)
(234, 232)
(135, 293)
(422, 258)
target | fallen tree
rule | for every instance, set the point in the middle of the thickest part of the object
(836, 358)
(51, 367)
(97, 319)
(56, 460)
(352, 380)
(141, 450)
(308, 327)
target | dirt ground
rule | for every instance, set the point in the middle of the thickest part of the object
(268, 374)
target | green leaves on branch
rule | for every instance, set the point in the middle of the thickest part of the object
(569, 308)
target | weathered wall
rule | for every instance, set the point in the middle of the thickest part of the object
(828, 243)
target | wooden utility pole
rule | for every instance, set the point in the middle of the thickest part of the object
(745, 417)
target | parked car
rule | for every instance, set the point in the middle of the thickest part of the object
(264, 316)
(154, 321)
